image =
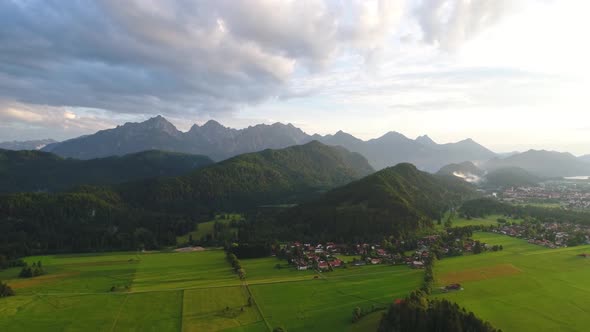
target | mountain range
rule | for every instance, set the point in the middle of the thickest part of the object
(219, 143)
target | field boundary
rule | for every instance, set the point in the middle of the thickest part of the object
(119, 313)
(257, 307)
(181, 310)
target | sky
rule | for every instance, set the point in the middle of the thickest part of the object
(510, 74)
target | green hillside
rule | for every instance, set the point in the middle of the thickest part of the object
(22, 171)
(396, 200)
(511, 176)
(281, 176)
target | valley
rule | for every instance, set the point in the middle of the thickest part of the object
(294, 166)
(193, 292)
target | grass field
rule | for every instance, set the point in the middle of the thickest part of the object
(524, 287)
(487, 221)
(194, 291)
(206, 228)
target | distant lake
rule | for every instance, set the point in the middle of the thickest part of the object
(579, 177)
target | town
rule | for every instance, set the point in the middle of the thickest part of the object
(551, 235)
(570, 194)
(328, 256)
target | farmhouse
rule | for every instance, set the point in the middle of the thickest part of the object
(375, 261)
(417, 264)
(452, 287)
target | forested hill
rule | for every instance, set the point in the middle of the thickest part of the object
(152, 213)
(395, 201)
(22, 171)
(288, 175)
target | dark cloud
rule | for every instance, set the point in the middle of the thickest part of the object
(170, 57)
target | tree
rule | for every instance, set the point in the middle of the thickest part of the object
(26, 272)
(357, 313)
(144, 238)
(5, 290)
(477, 248)
(3, 262)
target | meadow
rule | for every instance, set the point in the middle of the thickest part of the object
(194, 291)
(491, 220)
(204, 229)
(525, 287)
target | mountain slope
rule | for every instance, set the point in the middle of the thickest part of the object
(543, 163)
(511, 177)
(154, 134)
(41, 171)
(397, 200)
(267, 177)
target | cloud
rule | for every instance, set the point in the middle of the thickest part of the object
(175, 57)
(450, 23)
(20, 121)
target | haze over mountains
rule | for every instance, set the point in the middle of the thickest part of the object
(219, 143)
(27, 145)
(543, 163)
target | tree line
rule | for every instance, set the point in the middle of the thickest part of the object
(236, 265)
(417, 313)
(482, 207)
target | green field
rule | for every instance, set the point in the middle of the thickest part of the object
(486, 221)
(524, 287)
(193, 292)
(206, 228)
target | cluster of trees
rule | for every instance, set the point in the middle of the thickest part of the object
(41, 223)
(6, 263)
(250, 250)
(31, 271)
(417, 313)
(428, 274)
(236, 265)
(5, 290)
(360, 312)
